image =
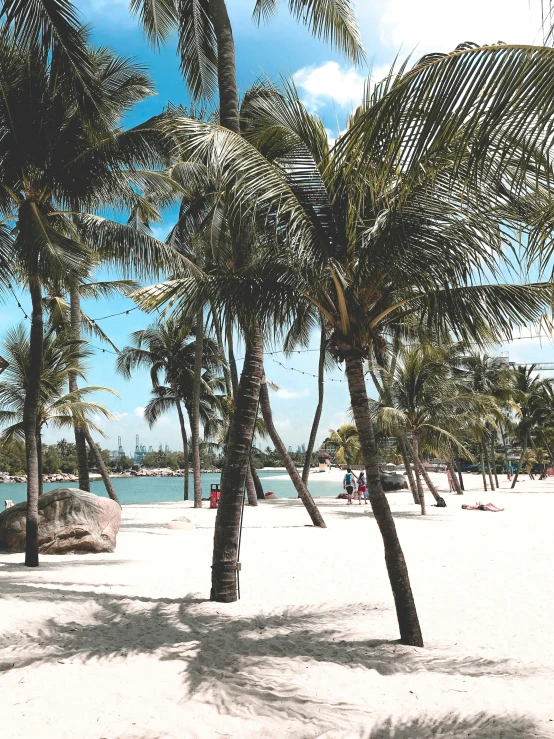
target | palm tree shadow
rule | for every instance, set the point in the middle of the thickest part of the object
(239, 665)
(479, 726)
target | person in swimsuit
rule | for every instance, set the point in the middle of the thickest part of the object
(482, 507)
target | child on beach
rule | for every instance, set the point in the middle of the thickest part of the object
(349, 484)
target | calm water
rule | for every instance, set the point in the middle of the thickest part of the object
(166, 489)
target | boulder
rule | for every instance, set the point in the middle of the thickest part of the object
(392, 481)
(70, 521)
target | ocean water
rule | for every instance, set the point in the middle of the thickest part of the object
(169, 489)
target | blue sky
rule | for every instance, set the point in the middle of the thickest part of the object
(330, 87)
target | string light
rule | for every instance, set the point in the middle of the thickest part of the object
(123, 312)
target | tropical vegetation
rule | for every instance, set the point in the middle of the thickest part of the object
(392, 244)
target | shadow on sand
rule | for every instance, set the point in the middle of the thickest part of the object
(236, 663)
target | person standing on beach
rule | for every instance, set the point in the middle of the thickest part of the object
(349, 484)
(362, 488)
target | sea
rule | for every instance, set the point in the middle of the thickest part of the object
(170, 489)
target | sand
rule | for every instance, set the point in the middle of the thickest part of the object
(126, 646)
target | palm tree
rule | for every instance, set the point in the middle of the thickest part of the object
(69, 317)
(490, 376)
(428, 401)
(60, 160)
(207, 49)
(347, 444)
(386, 224)
(56, 407)
(168, 350)
(528, 388)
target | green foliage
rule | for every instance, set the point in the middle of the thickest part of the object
(12, 458)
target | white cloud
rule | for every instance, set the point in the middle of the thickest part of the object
(436, 25)
(328, 83)
(139, 412)
(285, 394)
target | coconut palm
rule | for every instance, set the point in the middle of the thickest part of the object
(490, 376)
(347, 444)
(528, 392)
(206, 46)
(428, 401)
(64, 316)
(57, 408)
(392, 221)
(167, 349)
(60, 161)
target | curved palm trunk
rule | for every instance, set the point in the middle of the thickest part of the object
(232, 362)
(460, 476)
(488, 465)
(519, 464)
(195, 421)
(417, 468)
(184, 439)
(250, 487)
(226, 68)
(101, 467)
(432, 489)
(301, 489)
(483, 471)
(403, 444)
(30, 418)
(319, 407)
(493, 457)
(257, 482)
(233, 475)
(80, 440)
(455, 481)
(408, 622)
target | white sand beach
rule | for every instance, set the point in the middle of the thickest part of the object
(127, 646)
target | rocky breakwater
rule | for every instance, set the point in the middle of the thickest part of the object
(70, 522)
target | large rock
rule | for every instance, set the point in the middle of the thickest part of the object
(70, 521)
(392, 481)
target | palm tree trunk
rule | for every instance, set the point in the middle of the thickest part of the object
(39, 458)
(226, 68)
(257, 482)
(101, 467)
(80, 441)
(232, 362)
(30, 418)
(548, 449)
(455, 480)
(488, 464)
(417, 469)
(195, 421)
(233, 474)
(301, 489)
(184, 440)
(505, 447)
(519, 464)
(250, 487)
(432, 489)
(319, 408)
(402, 443)
(460, 476)
(493, 457)
(483, 471)
(408, 622)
